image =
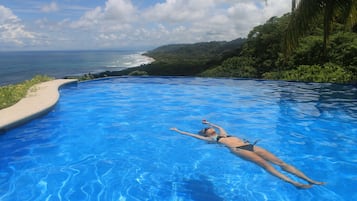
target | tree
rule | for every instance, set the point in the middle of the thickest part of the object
(309, 12)
(293, 5)
(264, 44)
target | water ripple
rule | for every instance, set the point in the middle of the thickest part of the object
(110, 140)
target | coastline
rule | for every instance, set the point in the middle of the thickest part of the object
(41, 97)
(17, 66)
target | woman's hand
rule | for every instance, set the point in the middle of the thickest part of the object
(174, 129)
(191, 134)
(204, 121)
(177, 130)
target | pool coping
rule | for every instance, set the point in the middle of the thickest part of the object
(39, 100)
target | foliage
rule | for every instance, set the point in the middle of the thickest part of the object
(138, 73)
(309, 51)
(343, 48)
(204, 52)
(311, 12)
(188, 59)
(84, 77)
(264, 48)
(264, 44)
(233, 67)
(329, 72)
(261, 55)
(11, 94)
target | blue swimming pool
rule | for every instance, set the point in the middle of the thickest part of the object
(110, 140)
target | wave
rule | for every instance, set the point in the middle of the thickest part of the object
(18, 66)
(131, 60)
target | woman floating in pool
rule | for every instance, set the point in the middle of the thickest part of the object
(250, 152)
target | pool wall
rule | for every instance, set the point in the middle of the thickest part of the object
(39, 100)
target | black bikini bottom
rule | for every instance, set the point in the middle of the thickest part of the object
(248, 147)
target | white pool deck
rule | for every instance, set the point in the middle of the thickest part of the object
(39, 100)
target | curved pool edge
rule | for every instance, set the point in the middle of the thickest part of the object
(39, 100)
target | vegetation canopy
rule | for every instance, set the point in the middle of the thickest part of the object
(316, 42)
(312, 12)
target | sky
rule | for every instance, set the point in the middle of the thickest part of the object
(128, 24)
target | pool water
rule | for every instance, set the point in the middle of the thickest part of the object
(110, 140)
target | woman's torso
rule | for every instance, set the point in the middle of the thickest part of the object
(231, 141)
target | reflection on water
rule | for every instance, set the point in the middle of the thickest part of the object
(110, 140)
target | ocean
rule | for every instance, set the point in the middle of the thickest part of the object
(18, 66)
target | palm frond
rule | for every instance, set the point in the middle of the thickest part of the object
(302, 20)
(329, 13)
(293, 5)
(347, 10)
(309, 11)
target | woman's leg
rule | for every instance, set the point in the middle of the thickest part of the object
(289, 168)
(253, 157)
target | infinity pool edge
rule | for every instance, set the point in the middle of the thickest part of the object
(39, 100)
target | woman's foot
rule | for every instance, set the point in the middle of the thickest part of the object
(316, 182)
(302, 186)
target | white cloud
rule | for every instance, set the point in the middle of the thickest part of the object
(48, 8)
(122, 10)
(6, 15)
(109, 25)
(90, 18)
(115, 12)
(12, 31)
(178, 21)
(184, 21)
(276, 8)
(179, 11)
(119, 23)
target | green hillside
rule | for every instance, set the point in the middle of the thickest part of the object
(189, 59)
(261, 55)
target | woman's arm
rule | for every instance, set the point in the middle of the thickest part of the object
(191, 134)
(221, 130)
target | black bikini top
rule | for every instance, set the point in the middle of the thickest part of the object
(220, 136)
(245, 141)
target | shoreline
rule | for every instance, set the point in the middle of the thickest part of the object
(19, 66)
(114, 73)
(41, 97)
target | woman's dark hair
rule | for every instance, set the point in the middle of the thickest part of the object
(203, 131)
